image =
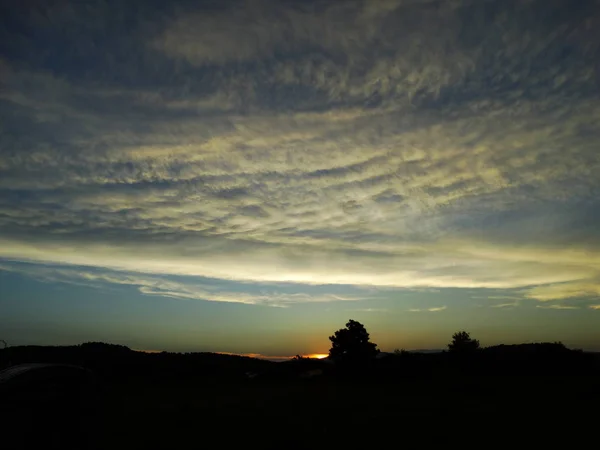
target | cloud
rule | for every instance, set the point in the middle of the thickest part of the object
(514, 300)
(594, 306)
(369, 310)
(454, 264)
(505, 305)
(557, 307)
(323, 143)
(434, 309)
(258, 30)
(160, 286)
(561, 291)
(499, 297)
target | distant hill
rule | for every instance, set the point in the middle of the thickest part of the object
(111, 361)
(119, 364)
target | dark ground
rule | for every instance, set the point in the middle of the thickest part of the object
(320, 414)
(381, 409)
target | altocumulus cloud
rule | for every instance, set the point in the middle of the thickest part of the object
(414, 144)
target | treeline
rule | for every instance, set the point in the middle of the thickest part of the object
(352, 354)
(543, 359)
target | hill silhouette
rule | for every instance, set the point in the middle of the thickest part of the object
(118, 363)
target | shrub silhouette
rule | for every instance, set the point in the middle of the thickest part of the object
(351, 344)
(462, 343)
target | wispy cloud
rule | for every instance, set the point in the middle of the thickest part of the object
(557, 307)
(497, 297)
(434, 309)
(560, 291)
(374, 310)
(460, 264)
(160, 286)
(505, 305)
(514, 300)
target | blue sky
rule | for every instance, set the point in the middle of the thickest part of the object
(245, 176)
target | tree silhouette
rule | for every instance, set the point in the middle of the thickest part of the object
(351, 344)
(462, 343)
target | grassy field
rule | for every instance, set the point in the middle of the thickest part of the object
(326, 413)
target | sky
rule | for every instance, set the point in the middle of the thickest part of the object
(246, 176)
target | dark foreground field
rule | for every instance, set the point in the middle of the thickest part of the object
(330, 411)
(326, 414)
(314, 414)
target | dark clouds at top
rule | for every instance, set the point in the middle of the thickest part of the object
(405, 143)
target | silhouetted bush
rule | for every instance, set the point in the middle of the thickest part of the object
(462, 343)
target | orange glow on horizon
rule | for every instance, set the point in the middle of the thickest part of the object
(272, 358)
(253, 355)
(317, 355)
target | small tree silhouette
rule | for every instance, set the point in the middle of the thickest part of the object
(351, 344)
(462, 343)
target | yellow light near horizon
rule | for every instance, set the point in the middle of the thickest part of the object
(318, 355)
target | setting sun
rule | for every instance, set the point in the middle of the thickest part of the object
(317, 355)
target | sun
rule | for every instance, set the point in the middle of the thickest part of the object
(318, 355)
